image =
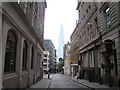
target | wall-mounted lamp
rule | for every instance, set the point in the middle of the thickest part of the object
(90, 24)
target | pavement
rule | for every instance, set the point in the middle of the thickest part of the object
(93, 85)
(61, 82)
(43, 83)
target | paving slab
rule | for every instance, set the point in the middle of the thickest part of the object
(93, 85)
(43, 83)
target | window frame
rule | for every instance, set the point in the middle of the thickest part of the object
(12, 40)
(107, 17)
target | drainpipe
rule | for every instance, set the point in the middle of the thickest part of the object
(1, 71)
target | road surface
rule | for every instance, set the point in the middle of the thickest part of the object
(62, 81)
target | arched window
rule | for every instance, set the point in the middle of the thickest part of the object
(10, 54)
(32, 57)
(24, 62)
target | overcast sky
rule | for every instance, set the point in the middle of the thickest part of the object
(60, 12)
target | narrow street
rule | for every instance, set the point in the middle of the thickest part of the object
(61, 44)
(62, 81)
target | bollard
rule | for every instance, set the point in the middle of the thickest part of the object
(48, 76)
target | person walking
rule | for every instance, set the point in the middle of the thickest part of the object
(77, 76)
(49, 74)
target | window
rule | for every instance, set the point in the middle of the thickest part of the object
(88, 30)
(87, 10)
(10, 54)
(45, 60)
(96, 25)
(45, 55)
(24, 62)
(32, 57)
(107, 17)
(89, 7)
(81, 5)
(45, 66)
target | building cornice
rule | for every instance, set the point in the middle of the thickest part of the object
(31, 29)
(81, 49)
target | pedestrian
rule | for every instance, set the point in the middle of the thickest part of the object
(77, 76)
(49, 74)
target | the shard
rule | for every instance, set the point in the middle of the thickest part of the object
(60, 43)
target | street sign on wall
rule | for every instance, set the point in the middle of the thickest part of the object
(69, 61)
(79, 62)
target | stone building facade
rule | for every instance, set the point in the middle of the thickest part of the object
(22, 43)
(98, 42)
(109, 50)
(88, 36)
(67, 59)
(74, 51)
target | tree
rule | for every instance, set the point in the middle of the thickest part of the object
(60, 66)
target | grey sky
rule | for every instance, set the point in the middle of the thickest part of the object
(60, 12)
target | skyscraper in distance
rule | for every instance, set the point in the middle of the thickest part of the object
(60, 43)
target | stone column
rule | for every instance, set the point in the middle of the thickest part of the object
(34, 66)
(20, 62)
(29, 63)
(1, 45)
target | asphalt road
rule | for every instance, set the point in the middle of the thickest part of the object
(61, 81)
